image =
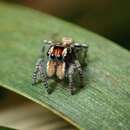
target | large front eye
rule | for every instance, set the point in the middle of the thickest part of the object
(59, 57)
(52, 56)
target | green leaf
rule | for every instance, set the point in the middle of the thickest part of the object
(6, 128)
(103, 103)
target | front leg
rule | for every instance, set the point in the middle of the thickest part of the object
(36, 71)
(44, 77)
(70, 77)
(40, 69)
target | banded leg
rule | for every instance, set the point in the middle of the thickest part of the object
(43, 77)
(39, 69)
(70, 77)
(78, 67)
(35, 73)
(81, 51)
(85, 55)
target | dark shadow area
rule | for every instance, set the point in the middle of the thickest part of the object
(109, 18)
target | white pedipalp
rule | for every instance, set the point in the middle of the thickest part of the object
(64, 53)
(50, 50)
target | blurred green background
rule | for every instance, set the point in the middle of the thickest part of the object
(109, 18)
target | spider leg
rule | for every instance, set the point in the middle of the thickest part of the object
(82, 51)
(79, 45)
(35, 73)
(70, 77)
(44, 77)
(78, 67)
(40, 69)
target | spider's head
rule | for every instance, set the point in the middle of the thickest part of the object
(56, 53)
(59, 51)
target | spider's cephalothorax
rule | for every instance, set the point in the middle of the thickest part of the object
(63, 59)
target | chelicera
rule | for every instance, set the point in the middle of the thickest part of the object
(60, 59)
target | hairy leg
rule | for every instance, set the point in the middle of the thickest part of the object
(40, 69)
(36, 71)
(81, 50)
(78, 67)
(70, 77)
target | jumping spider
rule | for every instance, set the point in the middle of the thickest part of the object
(63, 59)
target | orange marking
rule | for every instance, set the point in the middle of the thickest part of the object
(58, 51)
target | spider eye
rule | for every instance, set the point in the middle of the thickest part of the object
(52, 56)
(59, 57)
